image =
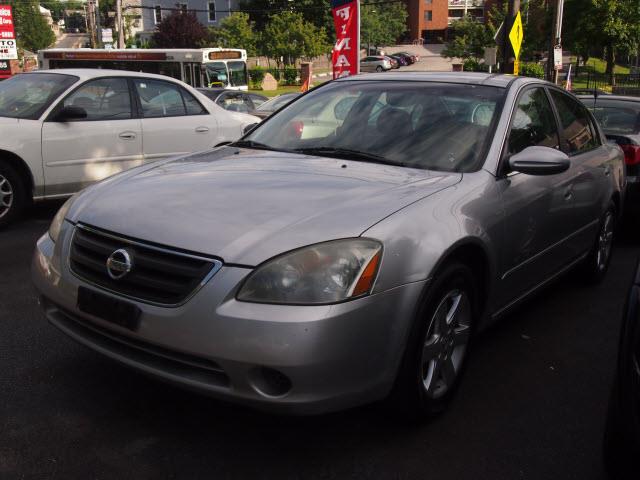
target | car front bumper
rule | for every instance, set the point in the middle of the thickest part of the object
(281, 358)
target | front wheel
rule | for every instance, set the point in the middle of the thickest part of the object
(12, 195)
(379, 68)
(597, 262)
(438, 345)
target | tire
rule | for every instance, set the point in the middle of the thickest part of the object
(597, 262)
(438, 346)
(13, 197)
(379, 68)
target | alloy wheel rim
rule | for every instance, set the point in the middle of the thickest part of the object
(605, 241)
(6, 196)
(446, 344)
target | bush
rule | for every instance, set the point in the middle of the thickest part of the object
(471, 65)
(534, 70)
(290, 75)
(256, 75)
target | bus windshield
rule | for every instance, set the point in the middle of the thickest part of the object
(217, 74)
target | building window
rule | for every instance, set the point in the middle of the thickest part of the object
(183, 8)
(212, 11)
(157, 14)
(428, 15)
(428, 2)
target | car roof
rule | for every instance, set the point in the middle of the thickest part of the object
(468, 78)
(88, 73)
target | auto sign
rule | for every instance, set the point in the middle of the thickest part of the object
(8, 50)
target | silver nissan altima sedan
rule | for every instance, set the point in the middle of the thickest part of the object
(347, 249)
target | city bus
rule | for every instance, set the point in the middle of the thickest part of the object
(199, 67)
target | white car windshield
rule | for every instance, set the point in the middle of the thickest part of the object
(425, 125)
(28, 95)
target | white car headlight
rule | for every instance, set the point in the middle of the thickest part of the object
(323, 273)
(56, 224)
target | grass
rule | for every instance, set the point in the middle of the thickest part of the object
(284, 89)
(597, 65)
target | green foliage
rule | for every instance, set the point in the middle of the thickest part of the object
(470, 38)
(289, 36)
(471, 65)
(382, 24)
(256, 75)
(317, 12)
(534, 70)
(235, 31)
(32, 30)
(290, 75)
(179, 30)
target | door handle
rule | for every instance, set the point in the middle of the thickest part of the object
(607, 170)
(127, 135)
(202, 129)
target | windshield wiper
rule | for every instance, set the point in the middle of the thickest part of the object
(347, 154)
(252, 144)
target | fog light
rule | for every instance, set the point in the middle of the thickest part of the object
(269, 382)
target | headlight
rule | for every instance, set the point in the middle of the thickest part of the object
(56, 224)
(324, 273)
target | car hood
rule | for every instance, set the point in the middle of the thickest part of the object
(246, 206)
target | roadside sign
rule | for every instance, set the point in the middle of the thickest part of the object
(516, 34)
(557, 57)
(490, 55)
(107, 35)
(8, 49)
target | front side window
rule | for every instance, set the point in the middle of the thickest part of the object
(212, 11)
(102, 99)
(577, 133)
(159, 99)
(423, 125)
(533, 122)
(192, 105)
(157, 14)
(28, 95)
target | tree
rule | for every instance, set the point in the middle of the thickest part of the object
(382, 24)
(179, 30)
(235, 31)
(32, 30)
(289, 36)
(317, 12)
(470, 38)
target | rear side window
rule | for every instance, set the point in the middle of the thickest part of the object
(533, 123)
(577, 132)
(102, 99)
(164, 99)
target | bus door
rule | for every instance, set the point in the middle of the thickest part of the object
(192, 74)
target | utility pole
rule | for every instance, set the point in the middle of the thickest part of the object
(506, 66)
(91, 21)
(98, 25)
(119, 23)
(556, 40)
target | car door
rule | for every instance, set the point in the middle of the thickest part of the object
(538, 210)
(76, 153)
(579, 140)
(174, 122)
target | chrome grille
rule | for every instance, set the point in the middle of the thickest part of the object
(159, 275)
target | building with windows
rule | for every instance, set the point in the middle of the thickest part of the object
(209, 12)
(429, 20)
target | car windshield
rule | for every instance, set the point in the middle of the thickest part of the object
(618, 117)
(28, 95)
(434, 126)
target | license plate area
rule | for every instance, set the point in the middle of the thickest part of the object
(108, 308)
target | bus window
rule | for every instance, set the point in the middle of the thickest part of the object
(238, 74)
(187, 74)
(217, 73)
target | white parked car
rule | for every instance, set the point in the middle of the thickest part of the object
(65, 129)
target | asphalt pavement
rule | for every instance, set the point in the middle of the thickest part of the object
(531, 405)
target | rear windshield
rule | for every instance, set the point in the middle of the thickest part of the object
(617, 117)
(28, 95)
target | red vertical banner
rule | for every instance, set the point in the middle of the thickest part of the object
(345, 57)
(6, 22)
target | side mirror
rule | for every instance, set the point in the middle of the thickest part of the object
(539, 161)
(249, 128)
(71, 113)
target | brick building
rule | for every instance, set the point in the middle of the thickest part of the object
(430, 19)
